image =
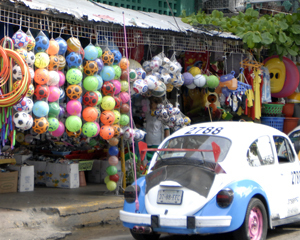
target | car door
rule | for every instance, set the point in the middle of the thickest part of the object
(289, 175)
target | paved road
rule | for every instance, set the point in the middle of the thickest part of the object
(118, 232)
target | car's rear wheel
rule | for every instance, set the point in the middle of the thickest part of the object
(255, 225)
(151, 236)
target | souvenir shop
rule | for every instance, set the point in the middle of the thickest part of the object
(76, 89)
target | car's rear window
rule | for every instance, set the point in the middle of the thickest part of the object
(208, 144)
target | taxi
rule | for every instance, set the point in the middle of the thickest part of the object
(216, 177)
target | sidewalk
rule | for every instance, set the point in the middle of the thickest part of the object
(50, 213)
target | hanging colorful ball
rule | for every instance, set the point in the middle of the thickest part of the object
(31, 71)
(74, 91)
(41, 76)
(199, 80)
(160, 90)
(151, 81)
(90, 52)
(188, 78)
(124, 63)
(113, 151)
(118, 102)
(111, 185)
(117, 56)
(117, 129)
(107, 73)
(73, 44)
(31, 43)
(74, 107)
(90, 114)
(74, 60)
(89, 129)
(40, 109)
(61, 62)
(62, 45)
(100, 81)
(132, 75)
(17, 84)
(99, 97)
(53, 48)
(99, 50)
(17, 72)
(40, 125)
(21, 119)
(124, 75)
(53, 124)
(23, 53)
(124, 97)
(194, 71)
(73, 123)
(212, 81)
(62, 78)
(73, 134)
(108, 58)
(111, 170)
(22, 105)
(54, 94)
(124, 119)
(141, 74)
(62, 94)
(41, 92)
(53, 78)
(41, 43)
(108, 103)
(108, 88)
(90, 68)
(20, 39)
(117, 116)
(106, 132)
(59, 131)
(90, 99)
(54, 63)
(54, 109)
(125, 108)
(124, 86)
(99, 64)
(117, 85)
(113, 160)
(90, 83)
(74, 76)
(118, 71)
(114, 178)
(107, 117)
(42, 60)
(30, 59)
(114, 141)
(30, 91)
(140, 86)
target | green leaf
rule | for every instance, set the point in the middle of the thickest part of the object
(279, 49)
(295, 28)
(250, 43)
(255, 26)
(283, 25)
(267, 38)
(256, 37)
(297, 40)
(234, 22)
(289, 18)
(255, 14)
(282, 37)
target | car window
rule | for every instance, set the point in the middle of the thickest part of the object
(284, 150)
(295, 139)
(260, 152)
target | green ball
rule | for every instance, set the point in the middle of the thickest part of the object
(118, 71)
(111, 185)
(74, 76)
(212, 81)
(111, 170)
(117, 116)
(106, 179)
(124, 119)
(54, 109)
(53, 124)
(73, 123)
(99, 49)
(90, 83)
(89, 129)
(99, 97)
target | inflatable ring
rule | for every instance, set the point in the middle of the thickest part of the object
(291, 79)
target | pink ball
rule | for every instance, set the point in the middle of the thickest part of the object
(98, 129)
(62, 78)
(117, 85)
(113, 160)
(59, 131)
(74, 107)
(54, 94)
(124, 97)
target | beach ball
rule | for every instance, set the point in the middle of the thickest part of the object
(23, 53)
(124, 86)
(107, 73)
(54, 94)
(22, 105)
(74, 60)
(61, 62)
(62, 45)
(108, 103)
(117, 70)
(54, 109)
(20, 39)
(124, 97)
(99, 64)
(30, 59)
(108, 88)
(151, 81)
(107, 117)
(90, 114)
(140, 86)
(41, 76)
(40, 109)
(59, 131)
(41, 91)
(108, 58)
(199, 80)
(118, 102)
(74, 76)
(62, 78)
(90, 52)
(31, 43)
(90, 98)
(212, 81)
(99, 97)
(117, 56)
(74, 107)
(73, 44)
(54, 78)
(125, 108)
(124, 63)
(30, 91)
(107, 132)
(89, 129)
(41, 43)
(99, 50)
(141, 74)
(53, 47)
(40, 125)
(117, 116)
(53, 124)
(124, 119)
(90, 83)
(113, 151)
(73, 123)
(160, 90)
(132, 75)
(41, 60)
(194, 71)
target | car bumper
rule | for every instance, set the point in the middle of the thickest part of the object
(175, 221)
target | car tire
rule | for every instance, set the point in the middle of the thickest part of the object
(255, 225)
(151, 236)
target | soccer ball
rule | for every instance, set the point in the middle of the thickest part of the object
(17, 72)
(20, 39)
(21, 119)
(21, 106)
(29, 123)
(29, 107)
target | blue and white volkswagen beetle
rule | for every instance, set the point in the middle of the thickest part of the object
(216, 177)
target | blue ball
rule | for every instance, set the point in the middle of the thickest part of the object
(107, 73)
(100, 81)
(40, 109)
(100, 65)
(113, 151)
(90, 52)
(118, 56)
(62, 45)
(62, 94)
(74, 60)
(41, 43)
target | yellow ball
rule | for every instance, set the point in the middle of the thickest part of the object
(111, 185)
(42, 60)
(30, 90)
(195, 71)
(124, 86)
(16, 84)
(117, 116)
(73, 44)
(23, 53)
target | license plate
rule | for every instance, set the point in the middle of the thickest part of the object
(169, 197)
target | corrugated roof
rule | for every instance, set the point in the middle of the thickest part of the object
(98, 12)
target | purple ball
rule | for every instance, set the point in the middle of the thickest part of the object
(61, 112)
(100, 64)
(188, 78)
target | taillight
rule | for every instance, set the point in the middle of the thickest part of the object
(129, 193)
(225, 197)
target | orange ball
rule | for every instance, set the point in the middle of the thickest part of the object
(117, 129)
(124, 75)
(124, 63)
(106, 132)
(53, 47)
(107, 117)
(90, 114)
(41, 76)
